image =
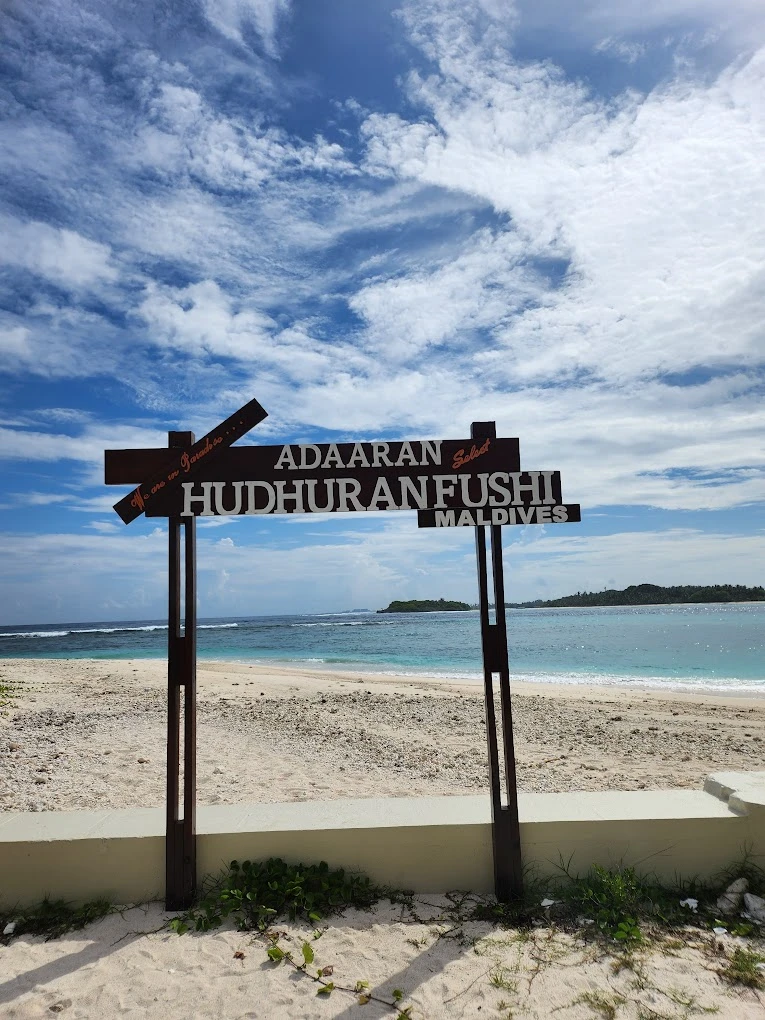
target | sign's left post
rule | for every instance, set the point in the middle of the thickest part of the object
(181, 863)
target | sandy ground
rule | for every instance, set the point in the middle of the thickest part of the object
(472, 972)
(89, 733)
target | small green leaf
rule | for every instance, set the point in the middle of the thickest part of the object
(361, 985)
(398, 995)
(326, 989)
(307, 953)
(364, 999)
(275, 953)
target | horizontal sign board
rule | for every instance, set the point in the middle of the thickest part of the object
(464, 517)
(366, 492)
(267, 463)
(328, 477)
(166, 476)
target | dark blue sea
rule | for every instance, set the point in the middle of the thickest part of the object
(714, 647)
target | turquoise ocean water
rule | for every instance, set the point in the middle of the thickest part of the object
(714, 647)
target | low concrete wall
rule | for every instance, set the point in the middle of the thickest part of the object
(427, 844)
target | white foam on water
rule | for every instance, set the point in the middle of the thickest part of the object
(690, 684)
(37, 633)
(106, 630)
(347, 623)
(117, 630)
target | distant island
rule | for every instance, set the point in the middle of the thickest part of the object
(650, 595)
(426, 606)
(634, 595)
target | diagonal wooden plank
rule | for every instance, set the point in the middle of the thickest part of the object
(182, 464)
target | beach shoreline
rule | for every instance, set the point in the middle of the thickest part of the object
(91, 733)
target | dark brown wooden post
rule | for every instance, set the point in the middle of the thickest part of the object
(180, 842)
(506, 833)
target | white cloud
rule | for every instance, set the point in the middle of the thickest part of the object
(230, 17)
(87, 447)
(182, 136)
(62, 256)
(648, 200)
(200, 319)
(14, 345)
(41, 498)
(737, 22)
(484, 287)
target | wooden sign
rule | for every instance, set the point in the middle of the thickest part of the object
(337, 477)
(531, 513)
(474, 482)
(179, 464)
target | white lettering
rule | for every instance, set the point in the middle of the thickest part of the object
(432, 450)
(304, 465)
(296, 497)
(465, 490)
(560, 514)
(519, 487)
(270, 498)
(333, 458)
(504, 496)
(406, 452)
(445, 518)
(547, 477)
(349, 490)
(408, 489)
(480, 519)
(526, 514)
(544, 515)
(382, 492)
(189, 498)
(380, 455)
(444, 487)
(219, 508)
(358, 455)
(499, 516)
(311, 484)
(465, 520)
(286, 459)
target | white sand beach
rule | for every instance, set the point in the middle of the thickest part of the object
(91, 733)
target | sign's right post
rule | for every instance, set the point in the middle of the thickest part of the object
(506, 833)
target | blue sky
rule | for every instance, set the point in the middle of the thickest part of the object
(382, 219)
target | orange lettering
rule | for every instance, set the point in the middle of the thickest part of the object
(460, 457)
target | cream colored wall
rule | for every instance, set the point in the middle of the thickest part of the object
(429, 844)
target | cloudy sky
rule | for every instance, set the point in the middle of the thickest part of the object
(384, 220)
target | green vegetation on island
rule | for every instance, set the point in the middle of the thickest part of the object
(650, 595)
(426, 606)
